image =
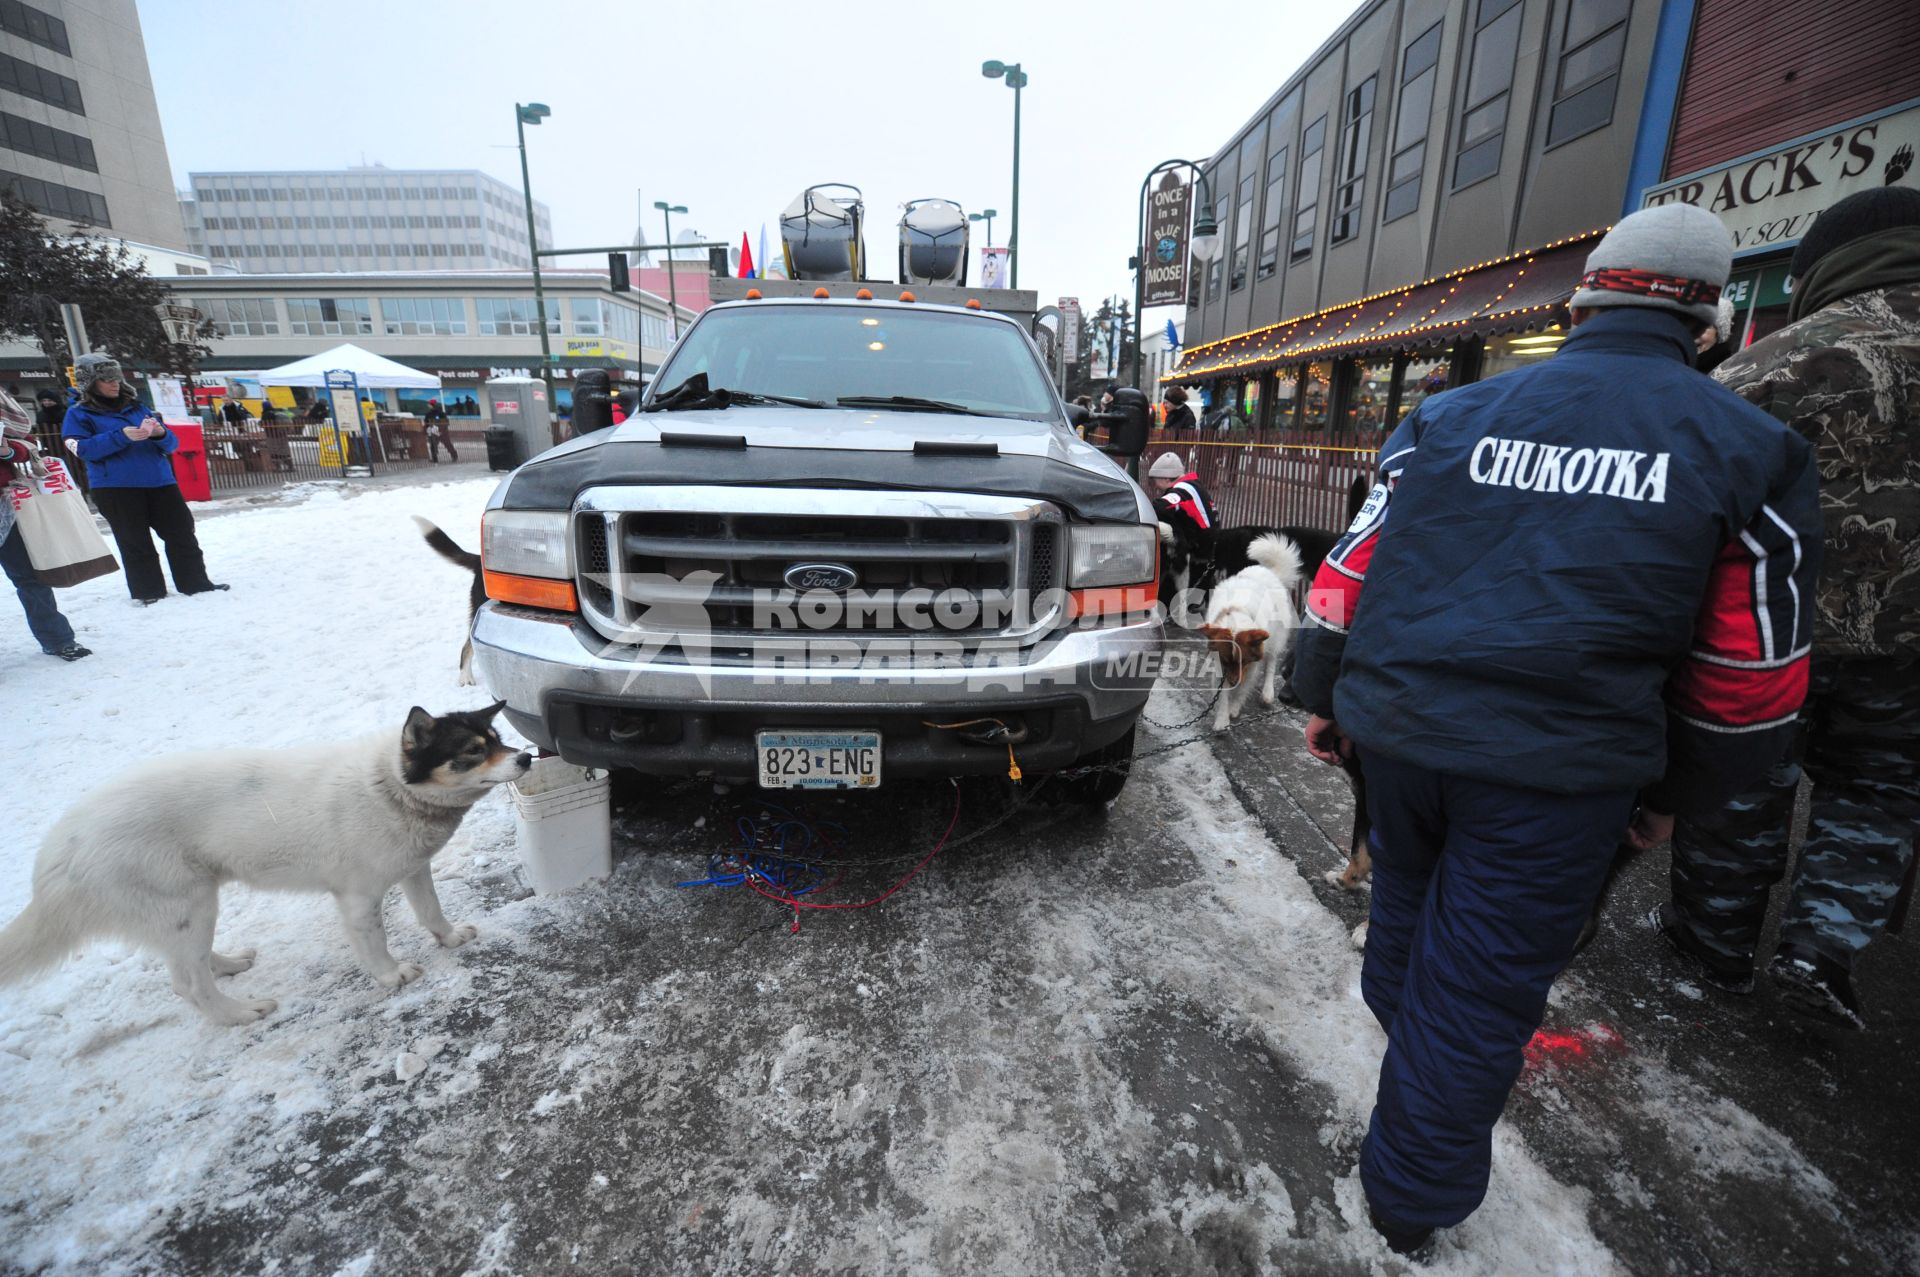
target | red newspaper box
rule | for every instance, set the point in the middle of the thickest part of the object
(190, 463)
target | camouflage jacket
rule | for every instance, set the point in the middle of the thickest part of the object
(1847, 377)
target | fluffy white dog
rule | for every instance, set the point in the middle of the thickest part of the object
(143, 860)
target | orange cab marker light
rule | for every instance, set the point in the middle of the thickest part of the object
(864, 295)
(906, 297)
(753, 294)
(531, 591)
(821, 292)
(973, 303)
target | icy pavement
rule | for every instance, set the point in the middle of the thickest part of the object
(1076, 1044)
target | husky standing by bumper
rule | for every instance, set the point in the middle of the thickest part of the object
(144, 860)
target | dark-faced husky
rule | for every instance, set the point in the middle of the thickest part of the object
(143, 860)
(449, 549)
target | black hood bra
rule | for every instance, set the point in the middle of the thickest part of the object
(553, 482)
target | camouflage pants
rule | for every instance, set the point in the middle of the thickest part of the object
(1860, 744)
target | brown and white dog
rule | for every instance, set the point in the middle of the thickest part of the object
(1251, 622)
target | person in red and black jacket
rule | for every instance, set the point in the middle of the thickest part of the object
(1179, 489)
(1578, 599)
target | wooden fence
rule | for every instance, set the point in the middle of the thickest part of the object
(1275, 480)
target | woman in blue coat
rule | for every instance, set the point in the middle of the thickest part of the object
(125, 448)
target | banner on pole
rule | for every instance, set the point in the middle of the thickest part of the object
(993, 267)
(1164, 255)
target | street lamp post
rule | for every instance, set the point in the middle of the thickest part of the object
(673, 291)
(1204, 243)
(986, 217)
(523, 115)
(1016, 80)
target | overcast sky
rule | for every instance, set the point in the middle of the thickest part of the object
(731, 107)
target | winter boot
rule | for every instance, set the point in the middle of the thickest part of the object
(1415, 1243)
(1728, 977)
(1816, 986)
(71, 652)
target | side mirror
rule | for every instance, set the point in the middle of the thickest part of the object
(592, 401)
(1129, 421)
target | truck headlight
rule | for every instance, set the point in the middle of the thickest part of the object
(526, 557)
(526, 543)
(1111, 554)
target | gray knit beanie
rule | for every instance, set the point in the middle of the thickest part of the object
(1674, 257)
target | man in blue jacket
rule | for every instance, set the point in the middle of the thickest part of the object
(1578, 600)
(126, 449)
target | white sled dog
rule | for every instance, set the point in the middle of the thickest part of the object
(1250, 623)
(144, 859)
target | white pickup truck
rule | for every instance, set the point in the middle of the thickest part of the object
(842, 541)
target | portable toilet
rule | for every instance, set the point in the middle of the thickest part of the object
(519, 404)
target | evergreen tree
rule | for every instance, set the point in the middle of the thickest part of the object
(121, 304)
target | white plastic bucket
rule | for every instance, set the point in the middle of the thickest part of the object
(563, 825)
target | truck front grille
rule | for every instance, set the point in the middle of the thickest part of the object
(967, 553)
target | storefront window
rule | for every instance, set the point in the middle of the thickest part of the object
(1250, 410)
(1373, 380)
(1424, 375)
(1286, 394)
(1319, 393)
(1518, 350)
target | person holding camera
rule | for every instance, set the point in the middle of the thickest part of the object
(126, 450)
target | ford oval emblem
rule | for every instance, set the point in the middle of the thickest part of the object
(837, 577)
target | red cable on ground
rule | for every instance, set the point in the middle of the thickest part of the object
(797, 904)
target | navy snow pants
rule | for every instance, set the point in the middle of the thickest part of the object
(1479, 893)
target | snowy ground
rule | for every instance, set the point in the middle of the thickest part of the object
(1074, 1045)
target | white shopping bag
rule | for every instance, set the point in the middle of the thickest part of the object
(62, 541)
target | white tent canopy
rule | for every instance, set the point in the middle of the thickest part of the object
(374, 372)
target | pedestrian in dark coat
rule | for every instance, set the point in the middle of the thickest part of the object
(234, 414)
(1548, 627)
(52, 411)
(126, 449)
(439, 431)
(1846, 376)
(1179, 415)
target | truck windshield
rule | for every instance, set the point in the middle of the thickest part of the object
(865, 355)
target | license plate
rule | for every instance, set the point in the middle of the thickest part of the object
(818, 760)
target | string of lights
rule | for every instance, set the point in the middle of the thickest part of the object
(1294, 340)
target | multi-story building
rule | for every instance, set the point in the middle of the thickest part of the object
(361, 219)
(1408, 210)
(1411, 210)
(80, 138)
(463, 326)
(1765, 123)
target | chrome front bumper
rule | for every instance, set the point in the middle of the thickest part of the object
(1090, 682)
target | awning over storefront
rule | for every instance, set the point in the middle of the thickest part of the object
(1514, 294)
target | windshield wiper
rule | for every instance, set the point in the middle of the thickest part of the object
(910, 403)
(694, 393)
